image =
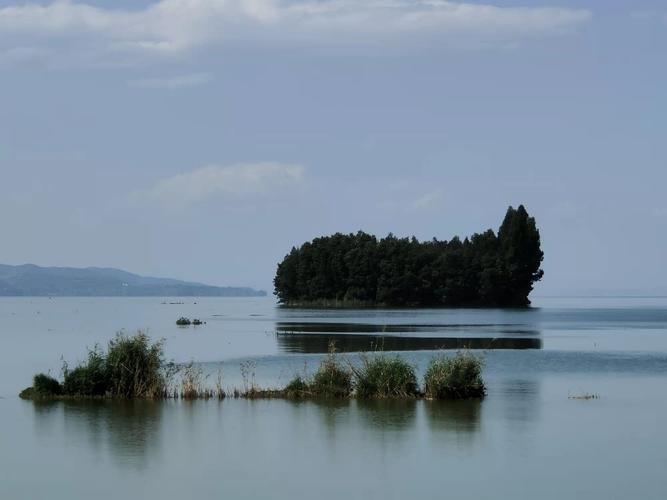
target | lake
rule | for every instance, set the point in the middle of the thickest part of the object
(528, 439)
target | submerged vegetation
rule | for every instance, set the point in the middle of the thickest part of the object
(133, 367)
(487, 269)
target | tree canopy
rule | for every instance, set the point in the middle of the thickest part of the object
(487, 269)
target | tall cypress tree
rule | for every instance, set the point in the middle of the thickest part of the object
(521, 253)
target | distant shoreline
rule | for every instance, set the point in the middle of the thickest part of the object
(256, 294)
(29, 280)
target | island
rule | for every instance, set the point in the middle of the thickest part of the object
(352, 270)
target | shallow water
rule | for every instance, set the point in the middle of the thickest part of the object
(527, 439)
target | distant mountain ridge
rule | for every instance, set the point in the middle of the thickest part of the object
(32, 280)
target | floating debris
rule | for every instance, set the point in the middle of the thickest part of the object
(584, 396)
(183, 321)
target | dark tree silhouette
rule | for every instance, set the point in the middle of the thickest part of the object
(358, 269)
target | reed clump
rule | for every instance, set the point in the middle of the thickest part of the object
(385, 377)
(331, 380)
(131, 367)
(456, 377)
(90, 378)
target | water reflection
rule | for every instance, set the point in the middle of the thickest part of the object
(128, 430)
(313, 343)
(387, 414)
(345, 327)
(520, 402)
(133, 435)
(454, 416)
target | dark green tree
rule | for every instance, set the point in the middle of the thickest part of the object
(521, 254)
(359, 269)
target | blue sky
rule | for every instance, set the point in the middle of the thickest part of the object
(201, 139)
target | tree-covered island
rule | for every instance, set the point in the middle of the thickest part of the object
(487, 269)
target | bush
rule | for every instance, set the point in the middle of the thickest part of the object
(384, 377)
(132, 367)
(297, 388)
(331, 379)
(45, 385)
(88, 379)
(183, 321)
(458, 377)
(135, 367)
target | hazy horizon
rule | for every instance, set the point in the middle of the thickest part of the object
(201, 140)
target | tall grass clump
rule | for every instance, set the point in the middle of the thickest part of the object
(89, 378)
(131, 367)
(456, 377)
(136, 368)
(385, 377)
(192, 384)
(331, 379)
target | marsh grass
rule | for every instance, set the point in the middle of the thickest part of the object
(90, 378)
(331, 380)
(248, 377)
(133, 367)
(297, 388)
(192, 383)
(385, 377)
(137, 368)
(455, 377)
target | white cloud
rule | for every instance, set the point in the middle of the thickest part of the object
(244, 180)
(172, 82)
(174, 26)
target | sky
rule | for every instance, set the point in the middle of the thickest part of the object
(202, 139)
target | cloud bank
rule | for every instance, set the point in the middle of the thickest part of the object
(246, 180)
(176, 26)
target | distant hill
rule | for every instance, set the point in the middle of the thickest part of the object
(31, 280)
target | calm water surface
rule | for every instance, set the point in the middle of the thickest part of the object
(527, 439)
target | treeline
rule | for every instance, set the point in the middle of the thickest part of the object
(487, 269)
